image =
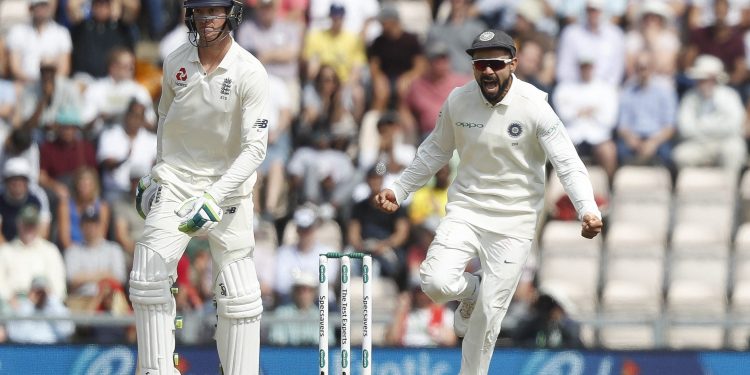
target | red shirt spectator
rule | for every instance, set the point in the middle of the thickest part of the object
(64, 155)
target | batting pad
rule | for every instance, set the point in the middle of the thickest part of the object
(154, 312)
(239, 308)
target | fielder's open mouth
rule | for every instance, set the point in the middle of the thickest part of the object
(490, 85)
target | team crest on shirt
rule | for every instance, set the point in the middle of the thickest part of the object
(225, 87)
(515, 130)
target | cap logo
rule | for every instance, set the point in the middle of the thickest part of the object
(487, 35)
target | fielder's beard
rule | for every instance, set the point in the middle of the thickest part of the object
(493, 88)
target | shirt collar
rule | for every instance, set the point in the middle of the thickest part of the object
(225, 63)
(507, 99)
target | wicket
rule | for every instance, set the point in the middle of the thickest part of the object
(345, 312)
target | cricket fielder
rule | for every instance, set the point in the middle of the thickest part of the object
(211, 139)
(504, 130)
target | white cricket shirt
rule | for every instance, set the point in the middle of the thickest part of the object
(499, 185)
(211, 134)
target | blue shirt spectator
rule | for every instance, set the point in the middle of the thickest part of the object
(648, 108)
(40, 302)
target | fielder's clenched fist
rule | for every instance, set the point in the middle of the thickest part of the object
(386, 201)
(591, 225)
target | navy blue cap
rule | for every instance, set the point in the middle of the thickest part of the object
(491, 39)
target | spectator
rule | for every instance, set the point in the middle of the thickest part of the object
(97, 35)
(596, 33)
(549, 326)
(711, 120)
(111, 300)
(264, 255)
(28, 256)
(303, 311)
(65, 153)
(321, 174)
(722, 40)
(41, 40)
(327, 106)
(588, 108)
(420, 322)
(392, 152)
(538, 66)
(357, 20)
(340, 49)
(9, 115)
(20, 144)
(704, 13)
(127, 223)
(427, 205)
(107, 98)
(85, 197)
(396, 59)
(124, 147)
(380, 234)
(457, 32)
(529, 14)
(655, 35)
(422, 234)
(174, 38)
(77, 10)
(18, 192)
(277, 43)
(301, 257)
(94, 261)
(40, 301)
(648, 110)
(420, 106)
(42, 102)
(271, 172)
(289, 10)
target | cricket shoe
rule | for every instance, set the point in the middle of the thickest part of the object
(465, 308)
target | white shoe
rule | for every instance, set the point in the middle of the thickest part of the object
(464, 310)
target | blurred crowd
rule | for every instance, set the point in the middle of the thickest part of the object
(355, 86)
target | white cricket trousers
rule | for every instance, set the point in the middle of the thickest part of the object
(443, 279)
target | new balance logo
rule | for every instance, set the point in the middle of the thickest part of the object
(223, 289)
(230, 210)
(261, 123)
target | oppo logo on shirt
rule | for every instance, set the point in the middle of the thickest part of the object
(469, 125)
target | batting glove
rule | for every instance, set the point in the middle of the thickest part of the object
(199, 214)
(145, 193)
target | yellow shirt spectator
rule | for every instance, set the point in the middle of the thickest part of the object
(343, 51)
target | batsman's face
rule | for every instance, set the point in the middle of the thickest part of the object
(210, 22)
(494, 80)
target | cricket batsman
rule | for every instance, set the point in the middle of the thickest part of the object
(211, 138)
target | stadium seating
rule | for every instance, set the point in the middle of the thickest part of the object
(642, 184)
(633, 286)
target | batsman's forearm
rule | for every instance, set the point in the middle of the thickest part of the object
(243, 167)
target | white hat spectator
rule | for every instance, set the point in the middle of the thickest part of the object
(595, 4)
(658, 8)
(305, 217)
(17, 167)
(305, 279)
(708, 67)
